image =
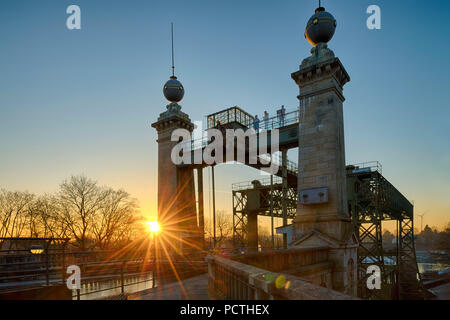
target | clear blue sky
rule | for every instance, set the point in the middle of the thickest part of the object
(82, 101)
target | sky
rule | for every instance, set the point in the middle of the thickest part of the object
(82, 101)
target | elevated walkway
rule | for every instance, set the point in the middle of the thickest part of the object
(235, 118)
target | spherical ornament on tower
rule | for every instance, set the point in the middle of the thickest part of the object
(173, 90)
(320, 27)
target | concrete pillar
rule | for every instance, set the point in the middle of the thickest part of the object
(177, 212)
(252, 228)
(322, 212)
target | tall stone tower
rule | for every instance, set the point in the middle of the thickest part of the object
(176, 191)
(322, 213)
(177, 211)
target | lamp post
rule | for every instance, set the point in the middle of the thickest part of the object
(154, 260)
(36, 249)
(39, 249)
(154, 230)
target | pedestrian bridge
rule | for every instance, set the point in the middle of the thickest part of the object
(235, 118)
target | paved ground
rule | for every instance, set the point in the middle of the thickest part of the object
(195, 288)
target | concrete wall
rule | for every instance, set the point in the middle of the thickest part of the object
(233, 280)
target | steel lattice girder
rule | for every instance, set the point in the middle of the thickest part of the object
(240, 211)
(410, 284)
(277, 196)
(239, 219)
(365, 207)
(372, 199)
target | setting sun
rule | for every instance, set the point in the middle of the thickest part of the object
(153, 226)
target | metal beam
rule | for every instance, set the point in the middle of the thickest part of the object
(201, 210)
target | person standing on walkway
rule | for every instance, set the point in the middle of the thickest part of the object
(283, 114)
(256, 123)
(266, 120)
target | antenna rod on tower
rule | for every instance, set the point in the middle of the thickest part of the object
(173, 63)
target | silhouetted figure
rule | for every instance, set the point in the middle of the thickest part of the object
(266, 120)
(281, 114)
(256, 123)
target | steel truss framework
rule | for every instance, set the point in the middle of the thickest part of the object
(371, 199)
(410, 282)
(266, 194)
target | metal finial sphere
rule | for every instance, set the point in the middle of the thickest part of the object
(173, 90)
(320, 27)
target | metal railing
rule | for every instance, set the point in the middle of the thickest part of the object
(120, 272)
(17, 266)
(291, 166)
(230, 115)
(25, 271)
(121, 278)
(236, 114)
(238, 186)
(278, 122)
(265, 124)
(116, 275)
(369, 166)
(275, 122)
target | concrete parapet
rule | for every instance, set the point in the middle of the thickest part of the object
(228, 279)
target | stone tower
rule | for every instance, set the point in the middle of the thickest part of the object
(322, 217)
(177, 211)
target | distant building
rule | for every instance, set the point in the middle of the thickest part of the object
(289, 230)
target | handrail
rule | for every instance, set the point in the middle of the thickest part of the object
(275, 122)
(264, 124)
(370, 165)
(238, 186)
(117, 269)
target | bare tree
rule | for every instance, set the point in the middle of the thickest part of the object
(130, 230)
(48, 220)
(91, 215)
(115, 215)
(224, 227)
(80, 199)
(14, 212)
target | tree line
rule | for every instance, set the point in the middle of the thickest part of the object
(93, 216)
(428, 239)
